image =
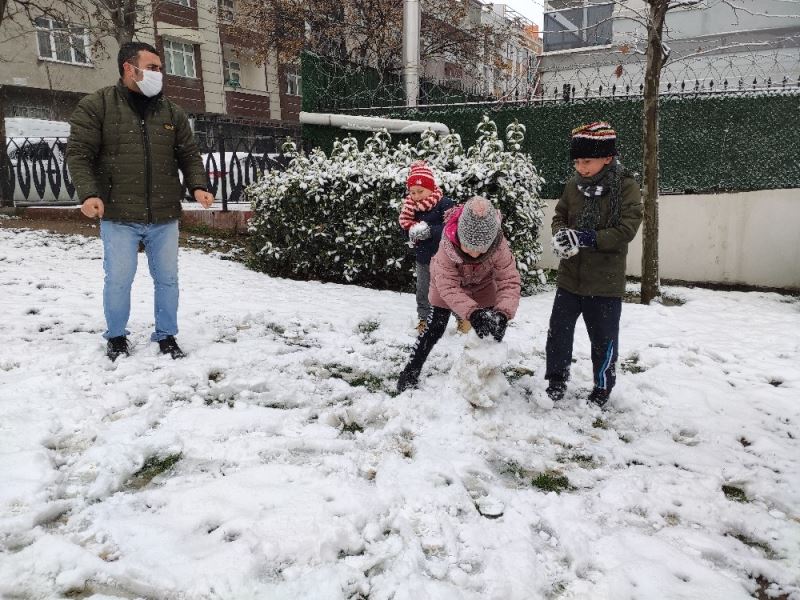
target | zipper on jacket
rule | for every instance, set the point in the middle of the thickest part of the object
(147, 168)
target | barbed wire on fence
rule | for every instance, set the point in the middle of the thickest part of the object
(334, 87)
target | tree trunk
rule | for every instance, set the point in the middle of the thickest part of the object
(125, 21)
(655, 60)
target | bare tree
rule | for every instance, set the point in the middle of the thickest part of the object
(363, 32)
(656, 55)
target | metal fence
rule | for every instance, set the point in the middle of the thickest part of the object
(34, 170)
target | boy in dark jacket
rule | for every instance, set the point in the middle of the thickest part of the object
(597, 216)
(422, 218)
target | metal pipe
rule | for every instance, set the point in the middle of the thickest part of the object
(411, 27)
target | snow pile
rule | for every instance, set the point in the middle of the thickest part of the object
(477, 374)
(276, 462)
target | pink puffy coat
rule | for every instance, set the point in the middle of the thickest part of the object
(464, 284)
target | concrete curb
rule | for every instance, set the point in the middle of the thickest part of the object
(231, 221)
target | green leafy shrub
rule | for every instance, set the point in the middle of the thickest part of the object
(334, 218)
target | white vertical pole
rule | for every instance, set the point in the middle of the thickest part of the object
(411, 27)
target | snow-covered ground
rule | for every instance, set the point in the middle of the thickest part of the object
(285, 469)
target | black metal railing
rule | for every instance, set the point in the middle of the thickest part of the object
(34, 171)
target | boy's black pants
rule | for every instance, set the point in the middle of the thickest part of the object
(601, 315)
(435, 327)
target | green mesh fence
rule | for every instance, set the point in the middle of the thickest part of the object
(331, 87)
(708, 143)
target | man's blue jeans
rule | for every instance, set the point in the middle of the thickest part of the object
(120, 257)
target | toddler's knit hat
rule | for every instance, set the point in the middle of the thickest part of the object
(478, 225)
(595, 140)
(420, 174)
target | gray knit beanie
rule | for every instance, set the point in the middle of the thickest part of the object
(478, 225)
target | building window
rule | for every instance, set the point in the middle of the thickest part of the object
(294, 82)
(179, 58)
(227, 11)
(62, 42)
(187, 3)
(232, 73)
(581, 27)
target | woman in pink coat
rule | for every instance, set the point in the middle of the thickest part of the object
(473, 275)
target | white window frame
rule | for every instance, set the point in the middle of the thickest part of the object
(294, 83)
(186, 51)
(228, 68)
(186, 3)
(73, 33)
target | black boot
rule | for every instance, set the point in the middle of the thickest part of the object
(169, 346)
(556, 389)
(599, 397)
(116, 347)
(408, 378)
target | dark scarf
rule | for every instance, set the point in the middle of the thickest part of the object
(142, 103)
(609, 180)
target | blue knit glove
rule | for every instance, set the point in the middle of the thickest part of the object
(587, 238)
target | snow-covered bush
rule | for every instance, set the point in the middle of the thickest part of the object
(334, 218)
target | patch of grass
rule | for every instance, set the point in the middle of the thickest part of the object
(734, 493)
(753, 543)
(671, 519)
(215, 375)
(152, 468)
(551, 481)
(337, 371)
(632, 365)
(276, 328)
(352, 427)
(586, 461)
(558, 588)
(367, 326)
(355, 378)
(768, 590)
(514, 373)
(516, 470)
(599, 424)
(372, 382)
(223, 399)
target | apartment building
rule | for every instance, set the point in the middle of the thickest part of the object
(597, 46)
(513, 77)
(47, 66)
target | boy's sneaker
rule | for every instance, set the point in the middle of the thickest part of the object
(599, 397)
(556, 389)
(408, 379)
(463, 326)
(116, 347)
(169, 346)
(421, 326)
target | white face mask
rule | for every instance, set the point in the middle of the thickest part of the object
(151, 83)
